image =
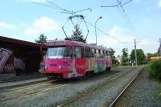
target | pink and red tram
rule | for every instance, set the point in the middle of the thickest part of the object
(69, 59)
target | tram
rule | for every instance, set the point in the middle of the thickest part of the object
(70, 59)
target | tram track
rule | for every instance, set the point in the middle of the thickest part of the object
(52, 90)
(32, 86)
(121, 93)
(24, 86)
(95, 88)
(33, 93)
(24, 91)
(87, 95)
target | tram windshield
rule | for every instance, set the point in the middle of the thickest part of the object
(59, 52)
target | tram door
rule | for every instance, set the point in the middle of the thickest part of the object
(87, 56)
(79, 60)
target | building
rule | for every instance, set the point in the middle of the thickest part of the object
(119, 59)
(18, 56)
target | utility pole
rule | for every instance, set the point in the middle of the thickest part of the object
(135, 52)
(128, 55)
(160, 45)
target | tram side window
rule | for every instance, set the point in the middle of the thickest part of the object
(107, 53)
(101, 54)
(98, 53)
(93, 53)
(104, 54)
(79, 52)
(87, 51)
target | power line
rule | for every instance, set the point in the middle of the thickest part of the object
(104, 32)
(125, 16)
(51, 6)
(82, 10)
(121, 6)
(126, 2)
(42, 4)
(56, 5)
(66, 11)
(128, 18)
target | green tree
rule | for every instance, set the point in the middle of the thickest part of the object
(113, 56)
(77, 34)
(124, 56)
(112, 52)
(140, 56)
(41, 40)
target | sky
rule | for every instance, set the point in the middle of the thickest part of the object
(24, 20)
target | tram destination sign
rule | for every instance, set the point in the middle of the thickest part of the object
(55, 43)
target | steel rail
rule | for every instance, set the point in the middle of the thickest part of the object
(36, 92)
(91, 90)
(116, 99)
(24, 86)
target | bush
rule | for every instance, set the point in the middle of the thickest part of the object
(155, 70)
(145, 61)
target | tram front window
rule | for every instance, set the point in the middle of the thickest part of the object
(59, 52)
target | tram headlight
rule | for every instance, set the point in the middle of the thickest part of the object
(60, 67)
(46, 67)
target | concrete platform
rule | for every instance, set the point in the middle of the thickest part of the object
(22, 82)
(11, 80)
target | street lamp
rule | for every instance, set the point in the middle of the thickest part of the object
(95, 28)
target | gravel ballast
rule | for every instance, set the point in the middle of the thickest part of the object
(53, 95)
(104, 95)
(140, 93)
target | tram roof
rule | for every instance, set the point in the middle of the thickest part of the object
(77, 43)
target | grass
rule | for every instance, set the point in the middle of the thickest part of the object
(69, 105)
(157, 92)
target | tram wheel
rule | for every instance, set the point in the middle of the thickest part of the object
(108, 69)
(50, 77)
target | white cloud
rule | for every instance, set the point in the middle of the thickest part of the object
(46, 24)
(31, 31)
(38, 1)
(43, 24)
(122, 35)
(5, 25)
(147, 43)
(116, 35)
(148, 46)
(159, 3)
